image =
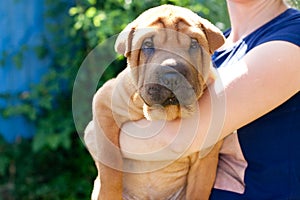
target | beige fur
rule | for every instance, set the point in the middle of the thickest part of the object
(171, 30)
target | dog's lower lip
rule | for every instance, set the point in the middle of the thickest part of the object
(171, 101)
(145, 102)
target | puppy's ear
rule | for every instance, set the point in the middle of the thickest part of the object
(123, 43)
(214, 36)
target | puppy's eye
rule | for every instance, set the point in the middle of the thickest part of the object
(148, 43)
(148, 47)
(194, 44)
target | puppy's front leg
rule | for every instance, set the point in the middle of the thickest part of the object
(108, 157)
(202, 174)
(113, 105)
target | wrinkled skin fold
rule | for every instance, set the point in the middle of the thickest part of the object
(168, 51)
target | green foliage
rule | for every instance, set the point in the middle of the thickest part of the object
(46, 174)
(55, 164)
(294, 3)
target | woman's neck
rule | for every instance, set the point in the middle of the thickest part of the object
(246, 16)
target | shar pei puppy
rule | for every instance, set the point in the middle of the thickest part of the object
(168, 51)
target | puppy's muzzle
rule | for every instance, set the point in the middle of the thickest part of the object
(170, 87)
(158, 94)
(171, 80)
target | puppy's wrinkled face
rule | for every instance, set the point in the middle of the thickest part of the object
(168, 50)
(171, 72)
(168, 73)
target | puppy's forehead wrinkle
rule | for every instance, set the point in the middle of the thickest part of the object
(173, 22)
(170, 31)
(170, 39)
(180, 26)
(159, 23)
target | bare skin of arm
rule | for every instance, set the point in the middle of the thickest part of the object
(264, 79)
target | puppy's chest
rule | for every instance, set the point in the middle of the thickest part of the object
(168, 181)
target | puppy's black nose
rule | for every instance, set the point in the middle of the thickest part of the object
(171, 80)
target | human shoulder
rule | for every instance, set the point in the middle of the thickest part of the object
(285, 27)
(279, 60)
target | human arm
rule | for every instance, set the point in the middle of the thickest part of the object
(265, 78)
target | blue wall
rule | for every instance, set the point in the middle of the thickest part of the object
(22, 25)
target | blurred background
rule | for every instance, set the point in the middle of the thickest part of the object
(42, 45)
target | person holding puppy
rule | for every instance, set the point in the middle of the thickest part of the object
(259, 69)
